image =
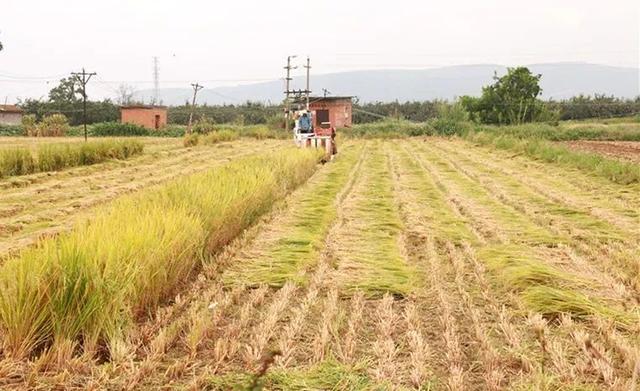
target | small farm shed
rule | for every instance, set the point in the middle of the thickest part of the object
(151, 117)
(10, 115)
(334, 109)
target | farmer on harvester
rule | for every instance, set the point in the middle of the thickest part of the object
(304, 123)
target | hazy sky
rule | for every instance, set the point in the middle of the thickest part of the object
(240, 41)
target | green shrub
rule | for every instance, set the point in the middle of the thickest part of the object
(171, 131)
(111, 129)
(12, 130)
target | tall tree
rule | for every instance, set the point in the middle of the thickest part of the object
(511, 99)
(67, 92)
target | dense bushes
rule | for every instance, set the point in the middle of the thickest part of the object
(598, 106)
(88, 286)
(54, 157)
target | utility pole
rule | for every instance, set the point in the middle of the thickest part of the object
(156, 81)
(308, 91)
(83, 78)
(287, 92)
(196, 87)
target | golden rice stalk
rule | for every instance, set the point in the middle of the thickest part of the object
(384, 348)
(419, 351)
(229, 343)
(287, 343)
(326, 329)
(267, 326)
(348, 349)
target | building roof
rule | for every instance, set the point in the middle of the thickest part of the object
(313, 99)
(10, 109)
(149, 107)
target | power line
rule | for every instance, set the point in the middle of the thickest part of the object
(196, 87)
(86, 76)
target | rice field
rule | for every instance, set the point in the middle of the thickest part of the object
(424, 263)
(44, 204)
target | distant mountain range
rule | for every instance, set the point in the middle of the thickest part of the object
(559, 80)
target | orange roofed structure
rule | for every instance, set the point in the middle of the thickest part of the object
(151, 117)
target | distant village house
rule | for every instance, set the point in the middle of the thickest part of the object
(150, 117)
(10, 115)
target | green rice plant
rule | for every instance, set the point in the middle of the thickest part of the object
(299, 239)
(552, 301)
(435, 211)
(57, 156)
(16, 161)
(89, 285)
(371, 260)
(543, 288)
(518, 269)
(388, 129)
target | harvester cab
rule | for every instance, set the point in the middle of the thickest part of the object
(307, 135)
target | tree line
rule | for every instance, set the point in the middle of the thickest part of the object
(510, 99)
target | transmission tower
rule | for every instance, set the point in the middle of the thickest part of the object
(156, 80)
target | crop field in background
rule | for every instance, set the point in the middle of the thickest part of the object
(418, 263)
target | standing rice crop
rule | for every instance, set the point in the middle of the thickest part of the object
(91, 284)
(58, 156)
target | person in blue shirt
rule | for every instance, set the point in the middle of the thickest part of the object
(304, 123)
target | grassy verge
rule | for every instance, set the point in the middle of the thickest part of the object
(299, 238)
(55, 157)
(567, 131)
(88, 286)
(616, 171)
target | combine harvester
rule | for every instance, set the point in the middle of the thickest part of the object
(305, 133)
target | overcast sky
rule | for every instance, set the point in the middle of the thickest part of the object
(241, 41)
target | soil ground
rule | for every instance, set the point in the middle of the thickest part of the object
(626, 150)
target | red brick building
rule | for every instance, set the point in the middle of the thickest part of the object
(334, 109)
(10, 115)
(151, 117)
